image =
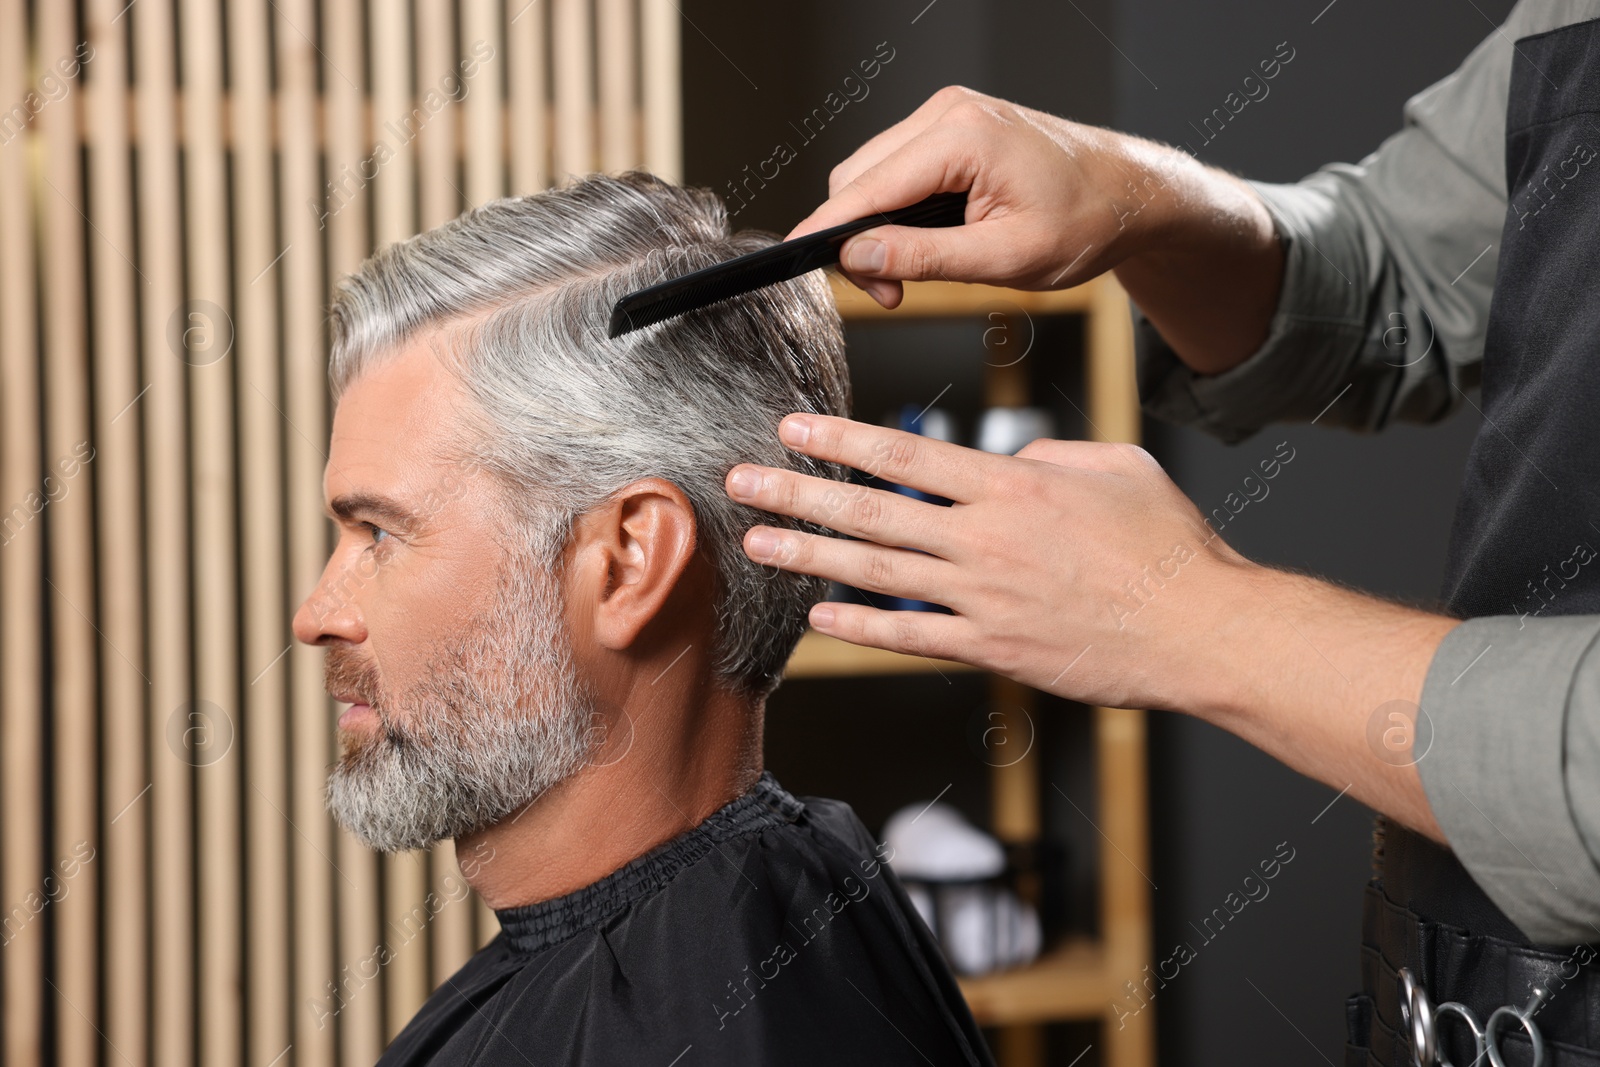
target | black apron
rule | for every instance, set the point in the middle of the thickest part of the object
(1527, 503)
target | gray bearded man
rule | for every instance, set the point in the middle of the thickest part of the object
(557, 654)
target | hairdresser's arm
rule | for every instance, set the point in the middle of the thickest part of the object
(1080, 569)
(1367, 284)
(1053, 203)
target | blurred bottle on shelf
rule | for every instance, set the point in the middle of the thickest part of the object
(1007, 431)
(962, 884)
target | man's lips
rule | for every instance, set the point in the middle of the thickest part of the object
(358, 711)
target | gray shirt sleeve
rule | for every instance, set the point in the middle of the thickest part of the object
(1513, 767)
(1389, 266)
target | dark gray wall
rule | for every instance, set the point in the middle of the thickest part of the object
(1369, 511)
(752, 72)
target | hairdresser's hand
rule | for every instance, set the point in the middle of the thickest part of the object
(1076, 567)
(1052, 204)
(1079, 568)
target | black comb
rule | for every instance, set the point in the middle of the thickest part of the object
(779, 263)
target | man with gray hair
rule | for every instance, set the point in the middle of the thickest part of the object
(557, 654)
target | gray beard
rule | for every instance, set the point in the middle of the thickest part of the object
(494, 722)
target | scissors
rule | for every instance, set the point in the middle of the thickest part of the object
(1418, 1014)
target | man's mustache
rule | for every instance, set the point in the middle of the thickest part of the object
(346, 673)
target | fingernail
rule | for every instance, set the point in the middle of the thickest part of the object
(867, 256)
(762, 544)
(821, 617)
(793, 431)
(744, 484)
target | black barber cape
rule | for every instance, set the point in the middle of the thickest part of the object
(772, 933)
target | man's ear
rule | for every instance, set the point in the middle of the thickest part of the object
(627, 557)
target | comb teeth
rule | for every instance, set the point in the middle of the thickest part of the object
(770, 265)
(690, 292)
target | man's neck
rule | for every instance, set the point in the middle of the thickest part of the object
(674, 752)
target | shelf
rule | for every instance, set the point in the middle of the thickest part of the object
(1068, 981)
(821, 656)
(955, 299)
(1079, 979)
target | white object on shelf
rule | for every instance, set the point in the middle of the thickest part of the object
(1006, 431)
(982, 926)
(988, 929)
(933, 842)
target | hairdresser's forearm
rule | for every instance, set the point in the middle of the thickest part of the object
(1208, 266)
(1325, 680)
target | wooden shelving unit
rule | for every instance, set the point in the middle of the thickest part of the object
(1080, 979)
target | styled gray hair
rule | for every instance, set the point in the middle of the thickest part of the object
(521, 291)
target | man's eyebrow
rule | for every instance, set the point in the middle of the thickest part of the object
(387, 512)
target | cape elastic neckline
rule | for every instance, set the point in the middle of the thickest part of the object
(533, 927)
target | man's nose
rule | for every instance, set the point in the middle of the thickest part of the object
(330, 612)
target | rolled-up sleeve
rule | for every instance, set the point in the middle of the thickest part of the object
(1512, 770)
(1388, 269)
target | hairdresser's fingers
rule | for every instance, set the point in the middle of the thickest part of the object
(1112, 457)
(855, 510)
(859, 564)
(940, 159)
(936, 467)
(887, 292)
(914, 633)
(980, 252)
(891, 140)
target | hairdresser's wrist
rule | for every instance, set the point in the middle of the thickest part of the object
(1205, 265)
(1304, 669)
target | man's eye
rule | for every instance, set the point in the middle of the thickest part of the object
(378, 532)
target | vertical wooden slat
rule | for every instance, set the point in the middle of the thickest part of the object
(405, 875)
(437, 154)
(481, 36)
(619, 84)
(526, 75)
(215, 713)
(314, 1022)
(573, 54)
(437, 158)
(1112, 395)
(21, 563)
(69, 519)
(660, 63)
(357, 1000)
(1124, 893)
(1014, 777)
(257, 259)
(166, 422)
(1120, 733)
(119, 485)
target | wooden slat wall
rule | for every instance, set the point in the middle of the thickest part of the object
(172, 215)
